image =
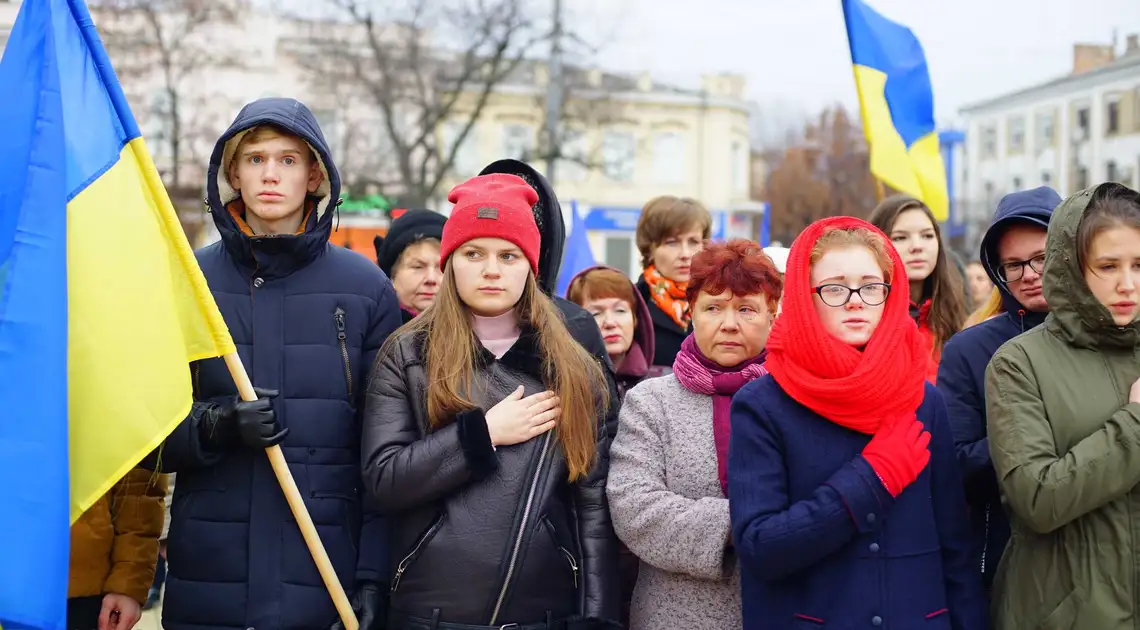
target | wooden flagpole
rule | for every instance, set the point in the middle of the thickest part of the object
(297, 504)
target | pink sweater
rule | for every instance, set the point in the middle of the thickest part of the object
(497, 334)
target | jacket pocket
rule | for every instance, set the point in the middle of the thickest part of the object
(569, 557)
(342, 341)
(417, 549)
(806, 622)
(1064, 616)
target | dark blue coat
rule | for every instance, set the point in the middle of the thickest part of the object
(962, 373)
(236, 556)
(820, 541)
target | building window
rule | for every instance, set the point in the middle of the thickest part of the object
(1082, 178)
(466, 162)
(518, 142)
(1016, 184)
(669, 158)
(1046, 178)
(1016, 134)
(619, 253)
(575, 156)
(1083, 123)
(1045, 131)
(989, 142)
(739, 157)
(1112, 173)
(158, 126)
(619, 153)
(1136, 109)
(330, 124)
(1112, 115)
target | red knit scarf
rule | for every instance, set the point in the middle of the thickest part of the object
(854, 388)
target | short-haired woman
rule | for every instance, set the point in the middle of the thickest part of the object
(670, 231)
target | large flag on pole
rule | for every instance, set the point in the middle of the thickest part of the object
(897, 103)
(102, 304)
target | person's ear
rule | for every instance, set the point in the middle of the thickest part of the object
(316, 176)
(232, 176)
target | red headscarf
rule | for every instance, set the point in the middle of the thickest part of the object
(855, 388)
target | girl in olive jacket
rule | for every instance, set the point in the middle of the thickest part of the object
(1063, 413)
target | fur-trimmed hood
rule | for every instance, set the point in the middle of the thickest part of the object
(278, 255)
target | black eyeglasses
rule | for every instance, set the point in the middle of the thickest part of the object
(1013, 271)
(872, 294)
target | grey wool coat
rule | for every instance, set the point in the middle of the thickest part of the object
(668, 508)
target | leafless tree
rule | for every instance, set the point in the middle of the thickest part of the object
(170, 44)
(827, 174)
(419, 64)
(585, 108)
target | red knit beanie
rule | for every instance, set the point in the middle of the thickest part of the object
(492, 206)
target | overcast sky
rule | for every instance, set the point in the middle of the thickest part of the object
(794, 52)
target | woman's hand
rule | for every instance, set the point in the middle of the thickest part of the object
(516, 419)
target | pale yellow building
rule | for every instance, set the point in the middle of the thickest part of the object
(625, 140)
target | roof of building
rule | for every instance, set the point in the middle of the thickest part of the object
(1125, 62)
(576, 76)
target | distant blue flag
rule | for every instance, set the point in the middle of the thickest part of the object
(577, 256)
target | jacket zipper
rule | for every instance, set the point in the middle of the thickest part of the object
(566, 552)
(522, 528)
(573, 564)
(195, 381)
(342, 338)
(986, 538)
(415, 553)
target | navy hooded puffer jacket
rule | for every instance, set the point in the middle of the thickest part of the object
(308, 318)
(961, 376)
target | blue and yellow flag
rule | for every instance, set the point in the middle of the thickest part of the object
(897, 103)
(102, 304)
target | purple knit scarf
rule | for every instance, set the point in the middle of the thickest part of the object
(700, 375)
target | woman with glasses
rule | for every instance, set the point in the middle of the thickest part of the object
(846, 503)
(934, 283)
(1063, 414)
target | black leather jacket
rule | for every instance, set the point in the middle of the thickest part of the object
(484, 537)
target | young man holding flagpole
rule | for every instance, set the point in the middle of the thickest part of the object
(308, 318)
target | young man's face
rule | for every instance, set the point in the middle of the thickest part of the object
(1022, 253)
(274, 174)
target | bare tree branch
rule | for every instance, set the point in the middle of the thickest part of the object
(414, 82)
(168, 43)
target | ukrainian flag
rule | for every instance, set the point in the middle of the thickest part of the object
(102, 304)
(897, 102)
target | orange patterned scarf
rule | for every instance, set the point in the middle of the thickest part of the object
(669, 296)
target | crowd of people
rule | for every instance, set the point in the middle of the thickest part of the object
(857, 432)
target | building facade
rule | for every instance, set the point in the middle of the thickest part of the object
(625, 139)
(1068, 133)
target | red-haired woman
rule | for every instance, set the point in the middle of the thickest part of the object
(624, 319)
(677, 523)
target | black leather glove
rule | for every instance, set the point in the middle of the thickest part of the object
(368, 606)
(239, 422)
